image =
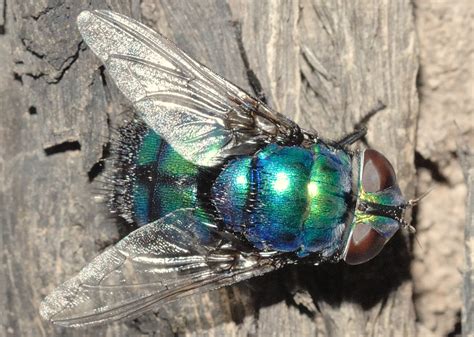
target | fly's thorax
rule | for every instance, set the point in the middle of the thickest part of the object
(379, 208)
(280, 178)
(232, 193)
(330, 200)
(287, 198)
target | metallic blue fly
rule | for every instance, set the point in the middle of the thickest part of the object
(222, 187)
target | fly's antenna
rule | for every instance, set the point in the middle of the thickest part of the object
(412, 203)
(415, 201)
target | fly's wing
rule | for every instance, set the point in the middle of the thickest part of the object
(201, 115)
(179, 255)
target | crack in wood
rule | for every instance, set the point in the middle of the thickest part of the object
(432, 167)
(70, 145)
(99, 166)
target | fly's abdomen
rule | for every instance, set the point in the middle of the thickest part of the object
(152, 179)
(287, 198)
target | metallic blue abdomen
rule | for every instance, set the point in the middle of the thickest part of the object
(158, 178)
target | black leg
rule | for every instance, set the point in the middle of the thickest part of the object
(352, 137)
(360, 128)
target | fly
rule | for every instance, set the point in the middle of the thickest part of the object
(223, 187)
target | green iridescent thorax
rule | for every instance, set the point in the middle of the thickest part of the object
(287, 198)
(281, 197)
(231, 191)
(329, 193)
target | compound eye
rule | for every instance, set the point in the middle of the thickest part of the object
(377, 173)
(365, 244)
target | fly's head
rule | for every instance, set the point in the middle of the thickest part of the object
(379, 209)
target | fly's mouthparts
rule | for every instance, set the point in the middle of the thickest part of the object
(405, 225)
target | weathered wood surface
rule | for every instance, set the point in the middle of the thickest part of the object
(445, 85)
(466, 155)
(324, 63)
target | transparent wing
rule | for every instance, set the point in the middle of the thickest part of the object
(204, 117)
(179, 255)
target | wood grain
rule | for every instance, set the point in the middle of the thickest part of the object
(466, 156)
(325, 64)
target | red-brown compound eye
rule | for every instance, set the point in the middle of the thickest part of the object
(377, 173)
(365, 243)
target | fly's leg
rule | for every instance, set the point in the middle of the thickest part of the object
(224, 257)
(361, 127)
(352, 137)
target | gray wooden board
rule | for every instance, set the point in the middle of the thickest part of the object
(466, 156)
(326, 64)
(2, 14)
